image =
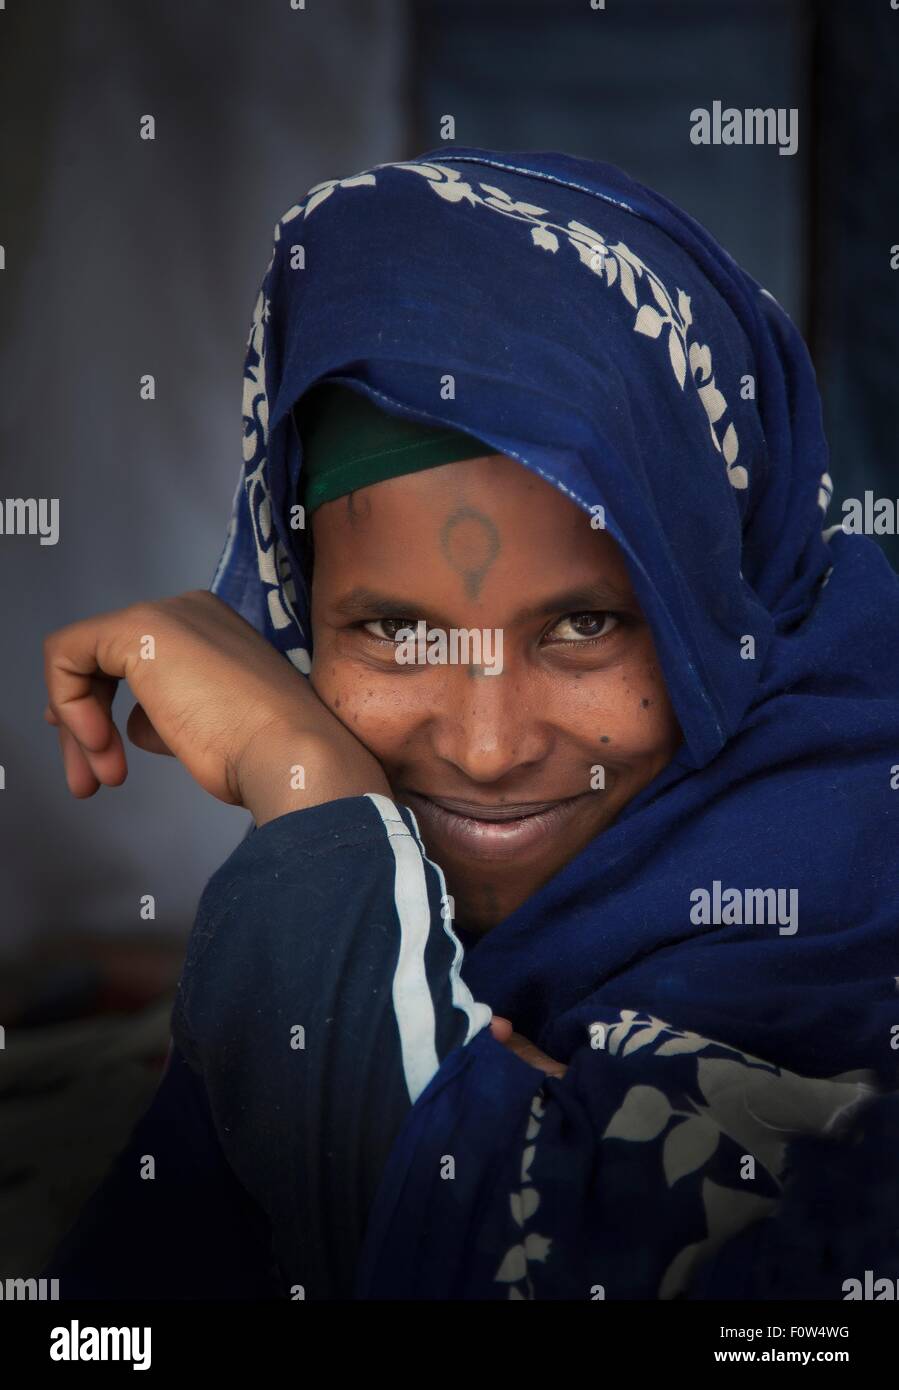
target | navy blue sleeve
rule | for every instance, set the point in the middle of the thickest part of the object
(188, 1232)
(320, 994)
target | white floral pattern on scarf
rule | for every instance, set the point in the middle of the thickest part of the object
(756, 1104)
(612, 263)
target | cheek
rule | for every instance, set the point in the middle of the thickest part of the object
(624, 713)
(364, 701)
(647, 713)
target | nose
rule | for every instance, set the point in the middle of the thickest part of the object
(488, 728)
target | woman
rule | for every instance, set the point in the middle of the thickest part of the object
(563, 966)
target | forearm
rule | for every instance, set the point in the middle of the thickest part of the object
(320, 994)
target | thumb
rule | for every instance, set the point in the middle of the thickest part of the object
(143, 735)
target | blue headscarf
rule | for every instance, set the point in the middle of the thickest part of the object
(596, 333)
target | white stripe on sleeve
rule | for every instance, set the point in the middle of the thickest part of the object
(412, 1002)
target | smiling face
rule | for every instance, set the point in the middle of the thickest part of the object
(504, 771)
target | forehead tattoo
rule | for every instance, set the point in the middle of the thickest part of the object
(470, 542)
(358, 508)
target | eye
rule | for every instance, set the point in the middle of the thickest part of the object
(390, 628)
(582, 628)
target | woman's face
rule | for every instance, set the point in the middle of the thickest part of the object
(508, 774)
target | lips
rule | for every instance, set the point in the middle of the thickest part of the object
(512, 810)
(485, 832)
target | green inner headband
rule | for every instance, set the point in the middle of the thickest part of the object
(350, 443)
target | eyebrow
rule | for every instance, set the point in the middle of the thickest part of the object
(596, 597)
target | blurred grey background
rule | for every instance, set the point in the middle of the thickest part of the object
(125, 257)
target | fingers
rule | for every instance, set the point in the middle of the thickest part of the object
(81, 781)
(502, 1030)
(82, 671)
(80, 694)
(108, 764)
(86, 772)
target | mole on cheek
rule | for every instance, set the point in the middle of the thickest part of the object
(337, 703)
(605, 739)
(644, 704)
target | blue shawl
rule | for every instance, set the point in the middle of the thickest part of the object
(599, 335)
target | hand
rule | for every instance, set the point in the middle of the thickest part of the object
(212, 693)
(502, 1030)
